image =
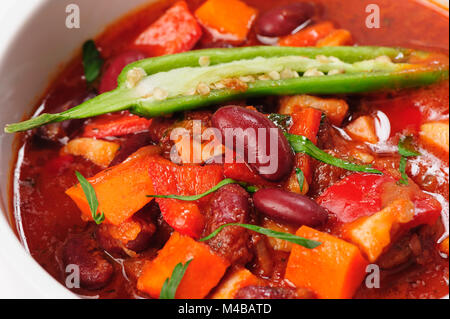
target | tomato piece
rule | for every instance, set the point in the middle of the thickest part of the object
(175, 32)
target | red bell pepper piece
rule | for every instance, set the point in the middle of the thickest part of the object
(195, 179)
(175, 32)
(306, 122)
(360, 195)
(171, 179)
(116, 125)
(241, 172)
(307, 37)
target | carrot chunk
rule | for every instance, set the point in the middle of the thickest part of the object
(175, 32)
(334, 109)
(435, 137)
(373, 234)
(234, 281)
(334, 270)
(443, 247)
(116, 125)
(231, 18)
(308, 36)
(204, 272)
(121, 190)
(99, 152)
(336, 38)
(363, 129)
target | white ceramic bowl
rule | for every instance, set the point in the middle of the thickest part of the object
(33, 42)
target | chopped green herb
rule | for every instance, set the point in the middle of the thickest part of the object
(171, 284)
(307, 243)
(405, 149)
(92, 61)
(250, 189)
(301, 144)
(284, 122)
(300, 178)
(91, 197)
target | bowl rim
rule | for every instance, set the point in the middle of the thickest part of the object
(17, 258)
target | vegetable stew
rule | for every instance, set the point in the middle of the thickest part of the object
(245, 149)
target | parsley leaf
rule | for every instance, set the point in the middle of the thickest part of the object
(171, 284)
(92, 61)
(250, 189)
(301, 144)
(405, 149)
(307, 243)
(300, 178)
(91, 197)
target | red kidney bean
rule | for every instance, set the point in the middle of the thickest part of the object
(95, 270)
(283, 20)
(143, 240)
(289, 207)
(230, 204)
(273, 165)
(114, 66)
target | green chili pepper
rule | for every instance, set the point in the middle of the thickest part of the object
(168, 84)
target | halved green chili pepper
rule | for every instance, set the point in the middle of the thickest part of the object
(168, 84)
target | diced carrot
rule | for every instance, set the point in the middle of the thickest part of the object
(170, 179)
(279, 244)
(121, 190)
(334, 270)
(308, 36)
(175, 32)
(373, 234)
(336, 38)
(363, 129)
(99, 152)
(116, 125)
(334, 109)
(204, 272)
(234, 281)
(306, 122)
(443, 247)
(435, 137)
(231, 18)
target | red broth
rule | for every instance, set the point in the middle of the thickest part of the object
(46, 217)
